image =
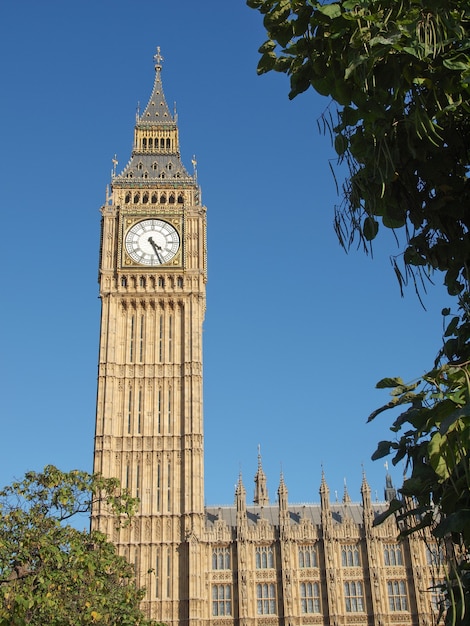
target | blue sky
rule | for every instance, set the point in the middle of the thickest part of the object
(297, 333)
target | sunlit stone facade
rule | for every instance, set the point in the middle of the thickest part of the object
(257, 564)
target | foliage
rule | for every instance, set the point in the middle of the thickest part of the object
(398, 74)
(50, 572)
(435, 441)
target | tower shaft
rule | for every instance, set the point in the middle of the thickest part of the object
(149, 418)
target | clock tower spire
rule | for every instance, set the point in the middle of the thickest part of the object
(149, 430)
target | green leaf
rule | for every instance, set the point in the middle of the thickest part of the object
(370, 228)
(394, 506)
(266, 63)
(383, 449)
(454, 64)
(332, 10)
(454, 523)
(452, 326)
(268, 46)
(341, 144)
(386, 383)
(454, 417)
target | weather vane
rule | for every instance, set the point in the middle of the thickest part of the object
(158, 57)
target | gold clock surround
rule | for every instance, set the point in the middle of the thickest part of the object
(128, 221)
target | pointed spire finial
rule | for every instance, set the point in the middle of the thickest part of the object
(365, 485)
(115, 162)
(261, 491)
(158, 59)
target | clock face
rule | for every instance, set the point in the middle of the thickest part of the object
(152, 242)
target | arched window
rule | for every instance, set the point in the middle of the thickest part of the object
(171, 199)
(161, 281)
(221, 600)
(392, 554)
(144, 143)
(145, 198)
(354, 597)
(220, 558)
(154, 198)
(154, 165)
(264, 557)
(310, 597)
(397, 596)
(150, 143)
(180, 198)
(350, 556)
(159, 480)
(163, 198)
(265, 599)
(142, 281)
(307, 556)
(180, 281)
(136, 198)
(123, 281)
(168, 143)
(127, 198)
(162, 143)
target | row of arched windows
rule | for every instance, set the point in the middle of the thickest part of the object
(157, 144)
(155, 198)
(145, 175)
(151, 281)
(140, 166)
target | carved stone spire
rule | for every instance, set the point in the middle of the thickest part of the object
(261, 491)
(240, 495)
(325, 505)
(240, 503)
(389, 492)
(324, 491)
(366, 502)
(282, 495)
(156, 155)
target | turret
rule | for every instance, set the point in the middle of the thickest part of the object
(240, 503)
(389, 492)
(261, 491)
(325, 506)
(282, 495)
(366, 502)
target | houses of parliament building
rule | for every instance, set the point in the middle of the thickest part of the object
(265, 563)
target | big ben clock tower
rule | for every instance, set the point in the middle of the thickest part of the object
(149, 430)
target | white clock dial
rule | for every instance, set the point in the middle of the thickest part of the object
(152, 242)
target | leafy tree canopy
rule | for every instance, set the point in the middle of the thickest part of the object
(50, 572)
(398, 74)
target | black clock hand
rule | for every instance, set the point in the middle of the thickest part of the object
(156, 249)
